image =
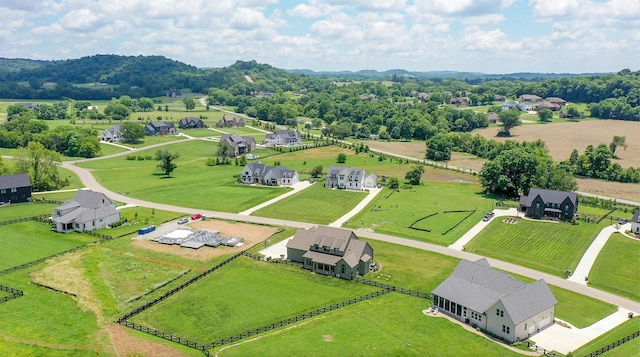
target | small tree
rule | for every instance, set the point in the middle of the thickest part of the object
(545, 115)
(166, 161)
(342, 158)
(393, 183)
(509, 118)
(132, 132)
(414, 175)
(616, 142)
(316, 171)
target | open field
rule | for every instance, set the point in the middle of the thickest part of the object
(243, 295)
(545, 246)
(28, 241)
(617, 268)
(24, 210)
(562, 138)
(377, 327)
(393, 212)
(192, 184)
(316, 204)
(630, 348)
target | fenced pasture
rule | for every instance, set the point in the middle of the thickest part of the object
(617, 267)
(316, 204)
(192, 184)
(245, 294)
(24, 210)
(394, 212)
(32, 240)
(375, 327)
(550, 247)
(623, 330)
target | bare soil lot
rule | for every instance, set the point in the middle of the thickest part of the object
(562, 138)
(252, 234)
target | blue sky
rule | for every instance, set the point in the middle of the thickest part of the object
(491, 36)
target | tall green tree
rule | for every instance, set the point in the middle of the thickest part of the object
(316, 171)
(117, 111)
(509, 119)
(132, 132)
(510, 173)
(42, 166)
(414, 175)
(189, 103)
(439, 147)
(166, 161)
(342, 158)
(545, 115)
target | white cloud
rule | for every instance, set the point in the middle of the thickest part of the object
(315, 8)
(493, 40)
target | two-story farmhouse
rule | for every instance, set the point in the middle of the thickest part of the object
(331, 251)
(15, 188)
(229, 121)
(495, 301)
(257, 173)
(345, 177)
(190, 123)
(283, 137)
(87, 211)
(542, 203)
(238, 145)
(159, 128)
(112, 134)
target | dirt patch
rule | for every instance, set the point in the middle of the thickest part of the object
(562, 138)
(125, 344)
(466, 161)
(610, 189)
(327, 338)
(252, 235)
(417, 149)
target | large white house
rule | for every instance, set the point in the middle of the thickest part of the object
(348, 178)
(495, 301)
(257, 173)
(87, 211)
(283, 137)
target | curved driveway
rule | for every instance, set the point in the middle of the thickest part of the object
(90, 182)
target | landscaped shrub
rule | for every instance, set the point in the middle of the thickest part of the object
(130, 157)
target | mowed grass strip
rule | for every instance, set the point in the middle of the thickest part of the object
(243, 295)
(617, 267)
(623, 330)
(315, 204)
(544, 246)
(25, 242)
(192, 184)
(394, 212)
(389, 325)
(25, 210)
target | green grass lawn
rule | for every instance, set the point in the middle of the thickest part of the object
(28, 241)
(393, 212)
(316, 204)
(55, 196)
(192, 184)
(377, 327)
(243, 295)
(140, 217)
(629, 348)
(549, 247)
(23, 210)
(617, 268)
(200, 133)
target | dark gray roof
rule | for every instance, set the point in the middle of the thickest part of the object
(477, 286)
(15, 181)
(342, 239)
(636, 216)
(551, 196)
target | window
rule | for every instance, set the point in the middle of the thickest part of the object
(506, 329)
(500, 312)
(13, 189)
(3, 191)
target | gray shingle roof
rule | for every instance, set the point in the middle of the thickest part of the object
(477, 286)
(14, 181)
(342, 239)
(550, 196)
(636, 216)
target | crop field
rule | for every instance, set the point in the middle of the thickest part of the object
(549, 247)
(617, 268)
(394, 212)
(192, 184)
(377, 327)
(625, 329)
(28, 241)
(315, 204)
(246, 294)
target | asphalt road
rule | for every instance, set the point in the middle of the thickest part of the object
(90, 182)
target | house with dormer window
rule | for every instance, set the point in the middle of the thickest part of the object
(347, 178)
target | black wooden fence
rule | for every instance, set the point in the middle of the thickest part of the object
(614, 345)
(394, 288)
(43, 217)
(14, 293)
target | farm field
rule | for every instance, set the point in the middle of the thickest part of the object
(192, 184)
(426, 207)
(630, 348)
(315, 204)
(617, 268)
(31, 240)
(562, 138)
(243, 295)
(376, 327)
(549, 247)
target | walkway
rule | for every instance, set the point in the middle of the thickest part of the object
(296, 188)
(564, 339)
(373, 192)
(118, 145)
(467, 237)
(589, 257)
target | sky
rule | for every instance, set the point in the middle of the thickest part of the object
(489, 36)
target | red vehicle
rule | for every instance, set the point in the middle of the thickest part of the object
(196, 216)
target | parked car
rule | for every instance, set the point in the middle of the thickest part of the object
(183, 220)
(623, 221)
(196, 216)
